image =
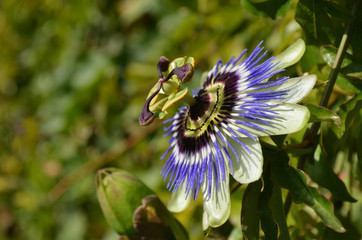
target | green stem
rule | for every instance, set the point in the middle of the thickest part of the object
(311, 135)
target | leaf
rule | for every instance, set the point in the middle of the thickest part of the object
(344, 84)
(271, 202)
(349, 67)
(267, 8)
(276, 205)
(346, 110)
(320, 171)
(315, 17)
(319, 114)
(268, 224)
(295, 181)
(250, 222)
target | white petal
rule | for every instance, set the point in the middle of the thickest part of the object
(291, 118)
(250, 165)
(178, 201)
(217, 206)
(298, 88)
(205, 221)
(291, 55)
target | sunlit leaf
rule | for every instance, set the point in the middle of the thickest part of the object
(319, 113)
(346, 110)
(349, 67)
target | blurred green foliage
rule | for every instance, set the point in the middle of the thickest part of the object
(73, 79)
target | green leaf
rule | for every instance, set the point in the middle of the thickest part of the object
(267, 8)
(250, 222)
(321, 20)
(349, 67)
(319, 114)
(347, 109)
(276, 205)
(320, 171)
(268, 224)
(295, 181)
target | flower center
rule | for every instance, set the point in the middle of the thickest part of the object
(205, 111)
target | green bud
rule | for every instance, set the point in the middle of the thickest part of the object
(171, 86)
(120, 194)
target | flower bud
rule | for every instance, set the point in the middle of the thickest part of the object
(119, 195)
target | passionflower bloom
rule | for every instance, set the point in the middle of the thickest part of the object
(217, 133)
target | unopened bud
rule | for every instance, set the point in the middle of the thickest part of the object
(120, 194)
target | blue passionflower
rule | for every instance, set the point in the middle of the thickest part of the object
(217, 134)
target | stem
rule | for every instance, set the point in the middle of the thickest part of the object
(311, 135)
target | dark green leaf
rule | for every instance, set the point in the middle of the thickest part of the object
(268, 224)
(267, 8)
(278, 139)
(316, 19)
(320, 171)
(249, 217)
(356, 39)
(276, 205)
(295, 181)
(352, 232)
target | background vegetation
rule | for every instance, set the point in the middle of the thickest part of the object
(74, 76)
